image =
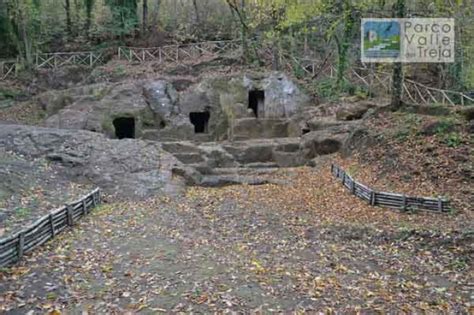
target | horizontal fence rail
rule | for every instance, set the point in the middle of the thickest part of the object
(389, 200)
(177, 53)
(47, 227)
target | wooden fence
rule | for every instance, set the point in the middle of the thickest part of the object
(178, 53)
(389, 200)
(366, 75)
(14, 247)
(375, 80)
(7, 68)
(61, 59)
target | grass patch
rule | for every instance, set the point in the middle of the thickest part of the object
(103, 209)
(21, 212)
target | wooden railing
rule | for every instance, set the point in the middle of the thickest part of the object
(7, 68)
(61, 59)
(177, 53)
(14, 247)
(180, 54)
(390, 200)
(375, 80)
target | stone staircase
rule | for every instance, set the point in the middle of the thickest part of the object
(236, 162)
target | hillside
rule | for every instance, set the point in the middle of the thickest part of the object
(228, 156)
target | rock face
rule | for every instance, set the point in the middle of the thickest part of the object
(162, 99)
(132, 168)
(353, 111)
(242, 106)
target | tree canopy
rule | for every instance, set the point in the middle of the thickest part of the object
(307, 28)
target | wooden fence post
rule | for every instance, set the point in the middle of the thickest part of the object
(440, 204)
(404, 202)
(51, 223)
(372, 198)
(84, 206)
(21, 244)
(353, 187)
(70, 219)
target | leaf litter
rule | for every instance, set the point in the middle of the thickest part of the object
(304, 245)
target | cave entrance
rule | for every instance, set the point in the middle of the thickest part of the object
(200, 120)
(124, 127)
(256, 101)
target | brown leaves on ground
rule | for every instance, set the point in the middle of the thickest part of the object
(406, 160)
(307, 245)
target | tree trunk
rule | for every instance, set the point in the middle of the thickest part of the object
(245, 47)
(196, 13)
(89, 4)
(145, 17)
(397, 75)
(68, 17)
(344, 43)
(241, 14)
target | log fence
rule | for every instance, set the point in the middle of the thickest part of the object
(366, 75)
(375, 80)
(13, 248)
(390, 200)
(61, 59)
(7, 68)
(177, 53)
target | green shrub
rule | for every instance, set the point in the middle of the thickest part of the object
(445, 126)
(453, 140)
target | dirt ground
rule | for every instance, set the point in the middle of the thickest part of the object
(304, 245)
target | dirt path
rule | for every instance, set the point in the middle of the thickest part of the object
(244, 248)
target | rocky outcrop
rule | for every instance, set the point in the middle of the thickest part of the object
(320, 143)
(253, 128)
(132, 168)
(162, 99)
(353, 111)
(161, 113)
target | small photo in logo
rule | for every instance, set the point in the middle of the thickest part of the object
(381, 40)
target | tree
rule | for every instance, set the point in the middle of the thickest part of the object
(7, 44)
(67, 7)
(25, 27)
(397, 75)
(89, 6)
(145, 17)
(196, 13)
(124, 16)
(240, 11)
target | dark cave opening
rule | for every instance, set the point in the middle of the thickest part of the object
(200, 120)
(124, 127)
(256, 101)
